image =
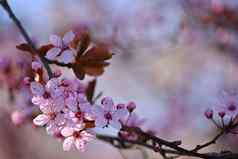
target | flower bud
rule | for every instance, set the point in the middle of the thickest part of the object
(17, 118)
(209, 113)
(131, 106)
(222, 114)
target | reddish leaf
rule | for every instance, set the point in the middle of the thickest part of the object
(90, 91)
(78, 71)
(25, 47)
(94, 71)
(98, 53)
(85, 40)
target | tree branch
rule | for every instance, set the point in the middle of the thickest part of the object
(13, 17)
(172, 147)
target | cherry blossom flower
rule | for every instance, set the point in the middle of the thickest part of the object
(61, 51)
(76, 136)
(108, 114)
(51, 117)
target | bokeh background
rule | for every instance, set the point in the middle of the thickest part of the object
(172, 57)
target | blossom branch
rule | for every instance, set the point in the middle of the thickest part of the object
(24, 33)
(173, 146)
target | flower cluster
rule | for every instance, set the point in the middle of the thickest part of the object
(227, 111)
(66, 111)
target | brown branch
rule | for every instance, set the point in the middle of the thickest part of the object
(24, 33)
(172, 147)
(213, 141)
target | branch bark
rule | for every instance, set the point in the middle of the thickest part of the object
(24, 33)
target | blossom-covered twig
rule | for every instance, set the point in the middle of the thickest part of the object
(174, 149)
(24, 33)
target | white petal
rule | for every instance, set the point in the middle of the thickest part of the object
(68, 142)
(66, 57)
(41, 120)
(79, 144)
(51, 128)
(56, 41)
(68, 37)
(37, 89)
(38, 100)
(67, 131)
(53, 53)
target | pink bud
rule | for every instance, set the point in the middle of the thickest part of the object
(120, 106)
(107, 101)
(209, 113)
(131, 106)
(17, 118)
(232, 107)
(222, 114)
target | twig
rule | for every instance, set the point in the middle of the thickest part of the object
(174, 149)
(213, 141)
(24, 33)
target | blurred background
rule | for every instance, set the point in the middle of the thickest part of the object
(172, 57)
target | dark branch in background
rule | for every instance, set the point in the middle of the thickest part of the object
(166, 147)
(213, 141)
(13, 17)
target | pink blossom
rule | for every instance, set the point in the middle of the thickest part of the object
(108, 114)
(209, 113)
(51, 117)
(37, 89)
(77, 137)
(61, 51)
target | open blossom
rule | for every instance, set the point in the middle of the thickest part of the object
(61, 51)
(51, 117)
(109, 114)
(76, 136)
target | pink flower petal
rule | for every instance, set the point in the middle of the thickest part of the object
(56, 41)
(100, 121)
(108, 104)
(66, 132)
(79, 144)
(72, 103)
(53, 53)
(68, 37)
(68, 142)
(41, 120)
(66, 57)
(37, 89)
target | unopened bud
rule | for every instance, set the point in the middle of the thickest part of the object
(131, 106)
(209, 113)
